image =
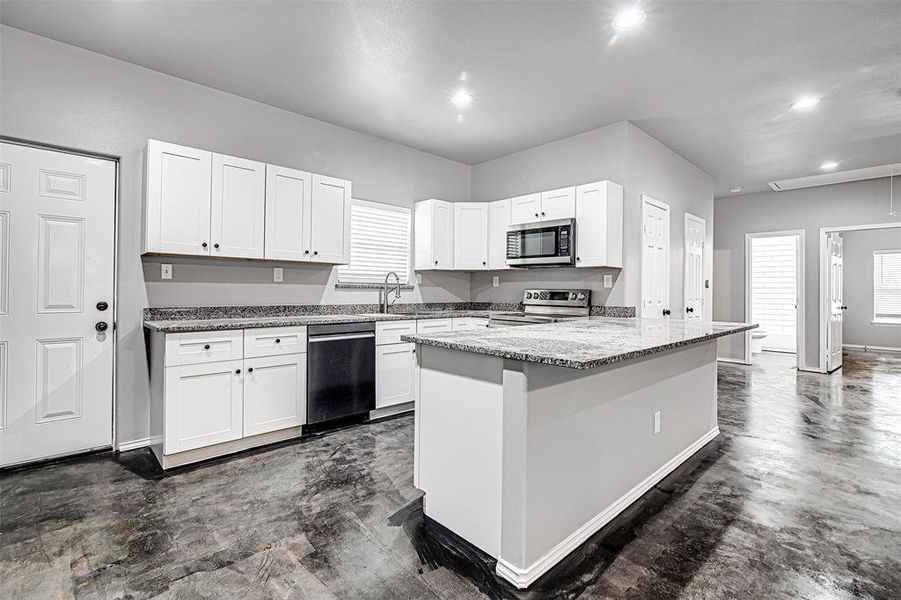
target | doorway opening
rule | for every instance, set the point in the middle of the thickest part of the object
(774, 284)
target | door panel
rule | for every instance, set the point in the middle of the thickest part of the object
(525, 209)
(288, 196)
(470, 235)
(57, 228)
(443, 235)
(203, 405)
(693, 265)
(178, 199)
(394, 374)
(655, 259)
(836, 302)
(238, 209)
(275, 393)
(330, 220)
(558, 204)
(498, 221)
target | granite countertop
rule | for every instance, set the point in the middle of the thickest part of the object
(189, 324)
(582, 344)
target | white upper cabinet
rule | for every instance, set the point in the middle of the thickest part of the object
(558, 204)
(329, 220)
(599, 225)
(434, 235)
(238, 208)
(177, 199)
(525, 209)
(498, 221)
(288, 196)
(470, 235)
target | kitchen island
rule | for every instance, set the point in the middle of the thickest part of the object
(530, 439)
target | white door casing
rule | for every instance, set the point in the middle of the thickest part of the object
(288, 195)
(238, 211)
(693, 265)
(836, 303)
(329, 220)
(57, 255)
(655, 258)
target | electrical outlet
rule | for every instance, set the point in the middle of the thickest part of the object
(657, 422)
(278, 274)
(496, 281)
(419, 278)
(165, 271)
(608, 280)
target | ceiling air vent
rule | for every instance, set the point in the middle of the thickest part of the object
(836, 177)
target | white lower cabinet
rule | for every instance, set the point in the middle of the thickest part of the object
(395, 366)
(204, 405)
(466, 323)
(274, 393)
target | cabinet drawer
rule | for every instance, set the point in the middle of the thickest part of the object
(389, 332)
(203, 347)
(270, 341)
(434, 325)
(464, 323)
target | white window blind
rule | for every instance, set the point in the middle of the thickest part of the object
(379, 243)
(887, 285)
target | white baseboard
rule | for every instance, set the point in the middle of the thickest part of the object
(867, 347)
(135, 444)
(523, 578)
(733, 361)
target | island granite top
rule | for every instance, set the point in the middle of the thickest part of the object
(584, 343)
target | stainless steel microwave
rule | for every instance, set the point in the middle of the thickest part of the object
(543, 244)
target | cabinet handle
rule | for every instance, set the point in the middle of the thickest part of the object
(216, 246)
(250, 370)
(237, 371)
(204, 244)
(206, 346)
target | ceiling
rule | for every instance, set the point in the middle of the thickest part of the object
(713, 81)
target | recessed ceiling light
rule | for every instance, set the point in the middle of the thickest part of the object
(805, 102)
(735, 189)
(629, 18)
(829, 165)
(462, 99)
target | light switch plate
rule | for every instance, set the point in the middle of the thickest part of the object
(278, 274)
(608, 281)
(165, 271)
(657, 422)
(496, 281)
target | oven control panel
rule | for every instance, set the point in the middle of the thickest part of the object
(573, 298)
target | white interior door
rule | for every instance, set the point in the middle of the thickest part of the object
(695, 236)
(836, 303)
(655, 258)
(57, 232)
(238, 211)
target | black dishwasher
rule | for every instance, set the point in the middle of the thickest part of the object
(340, 371)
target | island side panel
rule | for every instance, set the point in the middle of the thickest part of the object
(591, 449)
(459, 426)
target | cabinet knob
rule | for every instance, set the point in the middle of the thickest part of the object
(306, 251)
(237, 371)
(204, 244)
(543, 214)
(436, 262)
(484, 263)
(216, 246)
(536, 215)
(578, 258)
(250, 370)
(278, 341)
(315, 252)
(206, 346)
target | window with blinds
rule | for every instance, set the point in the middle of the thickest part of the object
(887, 286)
(379, 243)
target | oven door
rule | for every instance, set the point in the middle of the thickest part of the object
(549, 243)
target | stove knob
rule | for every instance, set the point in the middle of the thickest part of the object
(572, 295)
(528, 295)
(581, 295)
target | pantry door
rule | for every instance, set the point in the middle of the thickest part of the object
(693, 266)
(655, 258)
(57, 236)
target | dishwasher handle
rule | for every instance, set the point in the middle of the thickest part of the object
(340, 336)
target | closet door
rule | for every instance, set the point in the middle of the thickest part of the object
(238, 207)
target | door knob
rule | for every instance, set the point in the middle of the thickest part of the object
(666, 312)
(101, 326)
(689, 309)
(101, 306)
(844, 308)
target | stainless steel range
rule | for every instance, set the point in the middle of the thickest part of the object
(546, 306)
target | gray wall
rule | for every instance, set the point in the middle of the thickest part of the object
(622, 153)
(857, 203)
(58, 94)
(858, 328)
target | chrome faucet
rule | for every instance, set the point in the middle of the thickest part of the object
(385, 291)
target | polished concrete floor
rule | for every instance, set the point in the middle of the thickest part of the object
(799, 497)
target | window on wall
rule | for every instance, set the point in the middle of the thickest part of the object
(887, 286)
(379, 243)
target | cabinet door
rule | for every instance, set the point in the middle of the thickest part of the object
(330, 220)
(288, 196)
(275, 393)
(443, 235)
(498, 221)
(525, 209)
(394, 369)
(177, 199)
(203, 406)
(558, 204)
(238, 208)
(470, 236)
(599, 225)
